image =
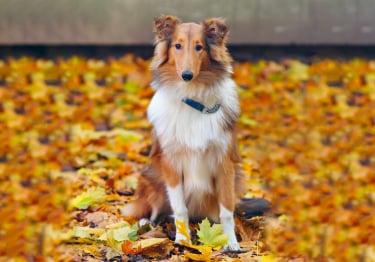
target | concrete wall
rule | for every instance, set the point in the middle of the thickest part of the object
(129, 22)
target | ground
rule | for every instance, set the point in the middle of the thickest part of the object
(74, 137)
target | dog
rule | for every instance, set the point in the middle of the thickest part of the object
(194, 155)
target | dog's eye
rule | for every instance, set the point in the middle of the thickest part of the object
(198, 47)
(178, 46)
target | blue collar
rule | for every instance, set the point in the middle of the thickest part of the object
(200, 107)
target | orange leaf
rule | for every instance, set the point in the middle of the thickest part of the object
(127, 248)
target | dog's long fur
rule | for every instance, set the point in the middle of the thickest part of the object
(194, 156)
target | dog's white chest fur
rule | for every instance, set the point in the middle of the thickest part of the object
(193, 141)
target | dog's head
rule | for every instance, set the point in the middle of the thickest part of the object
(189, 47)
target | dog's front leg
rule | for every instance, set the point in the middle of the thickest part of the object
(176, 197)
(226, 192)
(180, 212)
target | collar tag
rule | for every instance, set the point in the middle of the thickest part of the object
(200, 107)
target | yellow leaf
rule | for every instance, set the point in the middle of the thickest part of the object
(268, 258)
(92, 196)
(182, 229)
(146, 243)
(205, 254)
(211, 236)
(156, 247)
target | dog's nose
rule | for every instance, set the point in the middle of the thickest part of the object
(187, 75)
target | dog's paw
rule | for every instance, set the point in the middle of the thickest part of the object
(232, 246)
(180, 239)
(144, 221)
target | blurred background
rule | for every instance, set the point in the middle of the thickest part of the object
(99, 28)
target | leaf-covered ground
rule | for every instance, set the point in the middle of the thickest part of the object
(74, 137)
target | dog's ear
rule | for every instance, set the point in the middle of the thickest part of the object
(164, 26)
(160, 55)
(216, 31)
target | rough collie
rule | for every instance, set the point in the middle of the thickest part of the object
(194, 156)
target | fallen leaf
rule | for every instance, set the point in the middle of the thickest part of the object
(156, 247)
(128, 247)
(182, 229)
(205, 254)
(211, 236)
(93, 196)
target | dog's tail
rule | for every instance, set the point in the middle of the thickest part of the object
(151, 197)
(138, 208)
(251, 207)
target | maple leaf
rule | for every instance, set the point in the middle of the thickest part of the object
(122, 231)
(211, 236)
(94, 195)
(116, 234)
